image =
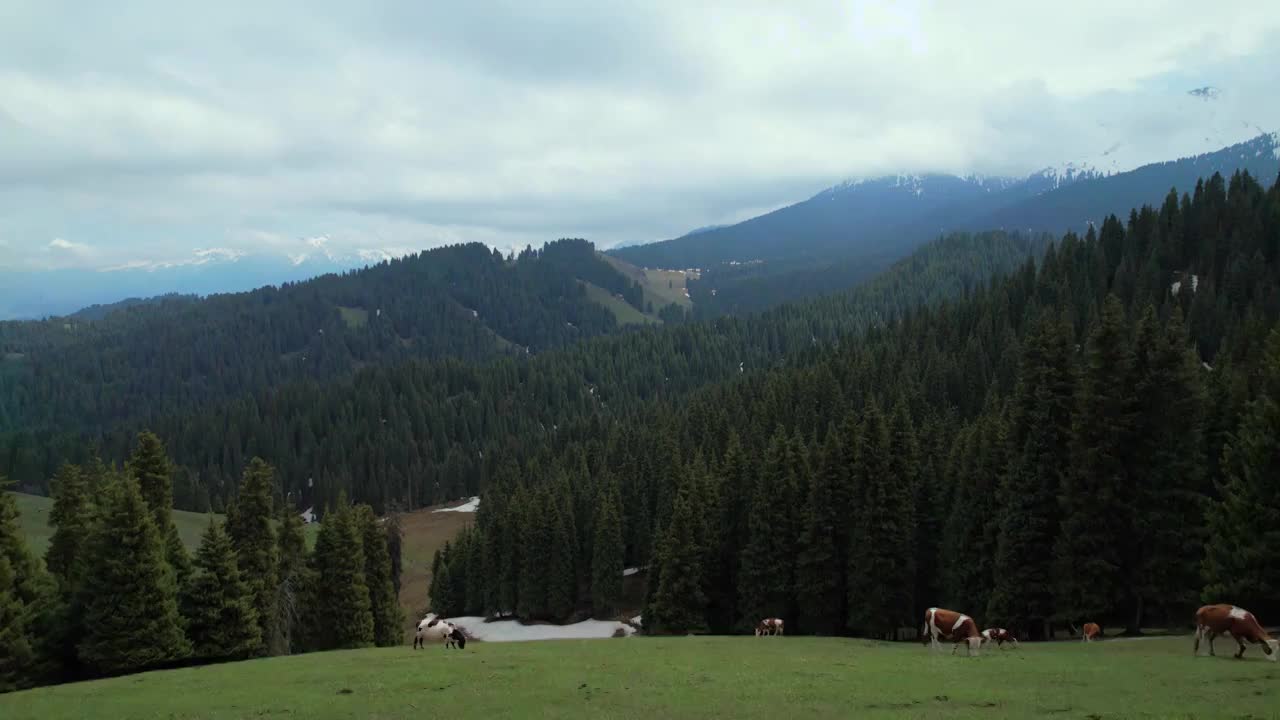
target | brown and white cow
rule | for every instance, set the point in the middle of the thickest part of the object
(1215, 620)
(954, 626)
(999, 636)
(769, 626)
(1092, 631)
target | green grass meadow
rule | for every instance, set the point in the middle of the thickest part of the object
(691, 677)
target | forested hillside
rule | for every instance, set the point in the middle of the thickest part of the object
(427, 431)
(849, 232)
(1093, 437)
(175, 355)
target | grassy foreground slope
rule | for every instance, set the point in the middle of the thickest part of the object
(688, 677)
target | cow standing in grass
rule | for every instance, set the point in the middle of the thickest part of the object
(437, 629)
(1092, 631)
(1215, 620)
(769, 626)
(954, 626)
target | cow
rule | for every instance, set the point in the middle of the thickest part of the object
(1214, 620)
(1092, 631)
(769, 626)
(954, 626)
(999, 636)
(439, 630)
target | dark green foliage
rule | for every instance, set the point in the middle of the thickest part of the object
(1240, 564)
(339, 598)
(131, 619)
(395, 541)
(819, 573)
(217, 604)
(764, 587)
(72, 522)
(678, 603)
(294, 575)
(150, 464)
(28, 606)
(606, 558)
(1027, 500)
(881, 558)
(1097, 499)
(383, 602)
(254, 538)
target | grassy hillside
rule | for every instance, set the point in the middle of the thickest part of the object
(623, 312)
(424, 532)
(688, 677)
(34, 519)
(661, 287)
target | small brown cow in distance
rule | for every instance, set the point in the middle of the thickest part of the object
(999, 636)
(1215, 620)
(769, 626)
(954, 626)
(1092, 631)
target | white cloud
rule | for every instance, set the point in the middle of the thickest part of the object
(410, 125)
(72, 247)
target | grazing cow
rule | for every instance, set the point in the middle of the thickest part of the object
(999, 636)
(769, 626)
(954, 626)
(439, 630)
(1215, 620)
(1092, 631)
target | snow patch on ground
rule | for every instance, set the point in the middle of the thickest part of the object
(468, 506)
(636, 621)
(630, 571)
(513, 631)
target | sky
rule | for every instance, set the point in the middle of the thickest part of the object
(149, 135)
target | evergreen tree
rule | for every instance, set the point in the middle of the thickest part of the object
(395, 541)
(28, 605)
(150, 464)
(131, 615)
(1168, 471)
(1096, 501)
(881, 572)
(1240, 555)
(1027, 504)
(819, 577)
(216, 603)
(762, 590)
(72, 521)
(387, 618)
(606, 558)
(253, 536)
(562, 586)
(294, 578)
(340, 603)
(679, 604)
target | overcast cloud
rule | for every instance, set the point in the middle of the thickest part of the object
(157, 133)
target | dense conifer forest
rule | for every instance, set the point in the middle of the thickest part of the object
(1091, 437)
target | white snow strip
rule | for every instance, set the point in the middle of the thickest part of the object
(468, 506)
(630, 571)
(513, 631)
(636, 621)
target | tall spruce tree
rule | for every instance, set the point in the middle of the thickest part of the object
(217, 604)
(819, 576)
(679, 604)
(294, 579)
(1167, 470)
(1096, 499)
(881, 573)
(1027, 499)
(340, 603)
(1240, 558)
(28, 606)
(606, 557)
(387, 617)
(150, 464)
(72, 520)
(253, 535)
(762, 591)
(131, 615)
